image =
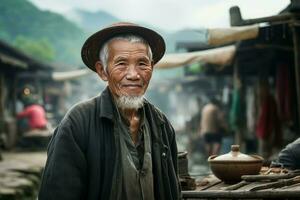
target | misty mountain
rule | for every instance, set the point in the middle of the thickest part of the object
(91, 21)
(22, 22)
(64, 35)
(94, 21)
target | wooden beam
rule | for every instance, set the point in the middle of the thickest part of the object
(237, 20)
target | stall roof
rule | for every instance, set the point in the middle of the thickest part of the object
(11, 61)
(220, 56)
(216, 51)
(254, 47)
(63, 76)
(259, 55)
(221, 36)
(11, 56)
(216, 37)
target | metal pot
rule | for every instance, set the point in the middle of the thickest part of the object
(231, 166)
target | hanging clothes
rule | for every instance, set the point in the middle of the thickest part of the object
(226, 95)
(236, 111)
(250, 112)
(268, 121)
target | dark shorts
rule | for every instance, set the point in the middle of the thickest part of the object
(212, 137)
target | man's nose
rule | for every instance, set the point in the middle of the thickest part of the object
(132, 73)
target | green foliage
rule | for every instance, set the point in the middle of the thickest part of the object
(40, 49)
(3, 34)
(39, 29)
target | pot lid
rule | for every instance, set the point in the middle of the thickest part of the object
(236, 156)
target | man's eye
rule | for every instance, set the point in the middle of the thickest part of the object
(143, 63)
(120, 63)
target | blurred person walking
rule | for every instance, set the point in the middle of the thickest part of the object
(212, 126)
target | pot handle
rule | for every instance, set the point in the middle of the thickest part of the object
(211, 157)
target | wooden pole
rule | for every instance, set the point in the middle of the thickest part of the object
(296, 42)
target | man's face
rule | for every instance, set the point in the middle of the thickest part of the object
(129, 68)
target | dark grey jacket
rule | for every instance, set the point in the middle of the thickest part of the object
(82, 154)
(290, 155)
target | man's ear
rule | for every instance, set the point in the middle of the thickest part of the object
(101, 71)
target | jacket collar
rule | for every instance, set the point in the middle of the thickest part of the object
(106, 105)
(106, 108)
(159, 117)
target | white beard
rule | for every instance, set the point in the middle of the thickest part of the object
(130, 102)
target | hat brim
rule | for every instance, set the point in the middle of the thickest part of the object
(91, 48)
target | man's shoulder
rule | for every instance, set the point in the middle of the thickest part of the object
(88, 103)
(83, 107)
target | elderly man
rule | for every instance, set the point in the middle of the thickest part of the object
(116, 145)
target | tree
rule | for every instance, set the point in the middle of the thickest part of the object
(40, 49)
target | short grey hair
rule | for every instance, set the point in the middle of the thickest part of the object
(103, 54)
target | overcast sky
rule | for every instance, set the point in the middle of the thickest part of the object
(171, 14)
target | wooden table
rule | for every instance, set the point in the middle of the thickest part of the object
(214, 189)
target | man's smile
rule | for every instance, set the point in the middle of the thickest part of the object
(132, 86)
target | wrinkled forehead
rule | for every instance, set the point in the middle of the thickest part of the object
(125, 49)
(123, 46)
